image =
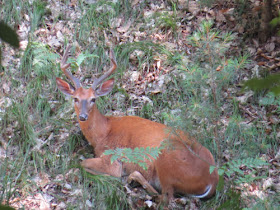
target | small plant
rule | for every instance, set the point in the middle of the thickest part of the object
(39, 9)
(146, 52)
(107, 191)
(13, 10)
(271, 99)
(233, 167)
(76, 62)
(166, 21)
(80, 59)
(10, 181)
(97, 17)
(231, 198)
(206, 76)
(138, 155)
(276, 22)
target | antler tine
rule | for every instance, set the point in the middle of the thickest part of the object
(64, 66)
(108, 73)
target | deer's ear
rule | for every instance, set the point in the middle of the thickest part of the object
(105, 88)
(64, 87)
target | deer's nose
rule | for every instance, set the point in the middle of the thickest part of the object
(83, 117)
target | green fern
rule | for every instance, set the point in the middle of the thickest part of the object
(138, 156)
(233, 167)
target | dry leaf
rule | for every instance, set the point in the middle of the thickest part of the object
(270, 46)
(89, 204)
(116, 22)
(61, 205)
(134, 2)
(268, 183)
(193, 7)
(124, 28)
(6, 88)
(220, 16)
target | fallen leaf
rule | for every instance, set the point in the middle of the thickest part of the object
(270, 46)
(124, 28)
(220, 16)
(6, 88)
(268, 183)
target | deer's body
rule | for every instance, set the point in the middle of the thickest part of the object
(182, 169)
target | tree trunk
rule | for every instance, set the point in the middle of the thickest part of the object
(266, 17)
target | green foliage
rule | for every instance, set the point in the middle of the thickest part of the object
(76, 63)
(100, 16)
(138, 156)
(14, 10)
(210, 69)
(3, 207)
(270, 83)
(233, 167)
(27, 120)
(9, 179)
(233, 201)
(271, 99)
(8, 35)
(272, 202)
(276, 22)
(244, 140)
(29, 117)
(146, 52)
(206, 73)
(166, 21)
(26, 133)
(97, 16)
(207, 3)
(38, 62)
(82, 57)
(107, 190)
(231, 198)
(38, 10)
(37, 67)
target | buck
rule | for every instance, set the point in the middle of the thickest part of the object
(183, 169)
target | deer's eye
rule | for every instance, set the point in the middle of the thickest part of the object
(76, 100)
(92, 101)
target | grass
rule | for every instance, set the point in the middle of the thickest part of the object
(40, 134)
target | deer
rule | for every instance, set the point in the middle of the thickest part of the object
(183, 169)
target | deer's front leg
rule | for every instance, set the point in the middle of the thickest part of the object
(138, 177)
(102, 165)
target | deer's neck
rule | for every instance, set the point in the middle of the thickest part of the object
(96, 127)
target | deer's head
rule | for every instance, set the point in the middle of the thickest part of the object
(84, 99)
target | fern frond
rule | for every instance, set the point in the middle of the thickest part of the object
(138, 156)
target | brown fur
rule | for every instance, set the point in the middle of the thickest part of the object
(184, 168)
(177, 169)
